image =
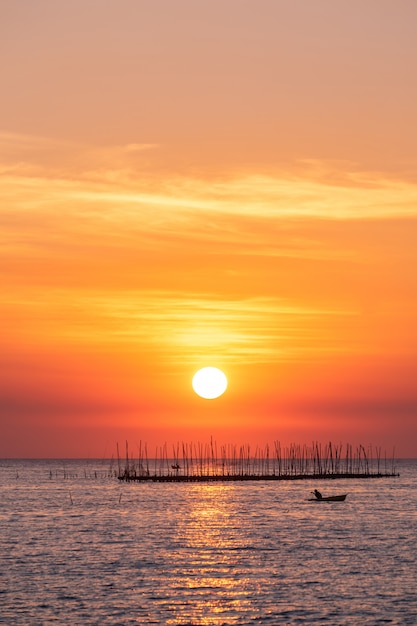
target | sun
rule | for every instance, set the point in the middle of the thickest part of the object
(209, 383)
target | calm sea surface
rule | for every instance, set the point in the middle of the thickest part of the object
(78, 547)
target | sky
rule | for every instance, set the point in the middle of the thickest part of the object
(190, 183)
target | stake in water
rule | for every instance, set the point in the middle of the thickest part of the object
(77, 546)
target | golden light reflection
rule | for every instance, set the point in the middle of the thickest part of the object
(213, 576)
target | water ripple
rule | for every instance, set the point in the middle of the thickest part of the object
(195, 554)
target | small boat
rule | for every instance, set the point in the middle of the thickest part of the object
(340, 498)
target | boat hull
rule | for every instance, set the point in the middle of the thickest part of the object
(330, 499)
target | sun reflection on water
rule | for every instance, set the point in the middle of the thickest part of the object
(211, 578)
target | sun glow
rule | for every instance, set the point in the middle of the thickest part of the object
(209, 383)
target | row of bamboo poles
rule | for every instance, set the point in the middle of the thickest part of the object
(209, 462)
(96, 474)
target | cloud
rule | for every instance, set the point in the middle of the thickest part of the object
(109, 180)
(272, 266)
(255, 329)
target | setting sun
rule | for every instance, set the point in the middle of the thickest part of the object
(208, 311)
(215, 187)
(209, 383)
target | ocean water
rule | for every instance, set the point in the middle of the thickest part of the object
(79, 547)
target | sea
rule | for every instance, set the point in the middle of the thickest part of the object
(79, 547)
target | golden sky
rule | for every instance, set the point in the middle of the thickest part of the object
(203, 182)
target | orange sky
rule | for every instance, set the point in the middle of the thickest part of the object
(207, 182)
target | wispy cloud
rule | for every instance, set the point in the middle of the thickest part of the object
(183, 326)
(184, 265)
(252, 217)
(102, 182)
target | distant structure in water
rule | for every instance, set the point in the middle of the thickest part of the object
(207, 462)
